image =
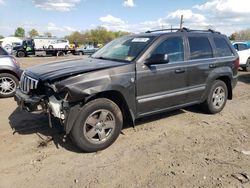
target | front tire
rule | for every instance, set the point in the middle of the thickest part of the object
(217, 97)
(8, 85)
(98, 125)
(20, 54)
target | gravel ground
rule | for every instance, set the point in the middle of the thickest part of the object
(183, 148)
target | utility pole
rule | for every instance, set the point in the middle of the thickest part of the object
(181, 22)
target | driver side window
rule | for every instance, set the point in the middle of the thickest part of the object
(173, 47)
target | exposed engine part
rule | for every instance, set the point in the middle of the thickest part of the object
(56, 107)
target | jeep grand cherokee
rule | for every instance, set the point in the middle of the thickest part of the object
(132, 77)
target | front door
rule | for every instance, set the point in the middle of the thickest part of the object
(162, 86)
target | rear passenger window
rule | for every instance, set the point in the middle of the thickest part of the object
(200, 48)
(222, 47)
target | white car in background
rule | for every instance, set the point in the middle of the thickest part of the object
(58, 43)
(243, 49)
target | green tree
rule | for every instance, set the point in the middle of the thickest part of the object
(1, 36)
(20, 32)
(47, 34)
(33, 33)
(100, 35)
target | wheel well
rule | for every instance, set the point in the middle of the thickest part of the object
(227, 81)
(117, 98)
(9, 72)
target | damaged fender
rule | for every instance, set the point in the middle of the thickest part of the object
(81, 87)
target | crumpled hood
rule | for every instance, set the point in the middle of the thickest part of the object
(56, 70)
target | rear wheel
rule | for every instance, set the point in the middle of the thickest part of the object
(8, 85)
(217, 97)
(81, 53)
(50, 47)
(98, 125)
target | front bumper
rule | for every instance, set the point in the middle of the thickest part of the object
(29, 103)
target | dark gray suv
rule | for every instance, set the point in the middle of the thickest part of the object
(10, 73)
(132, 77)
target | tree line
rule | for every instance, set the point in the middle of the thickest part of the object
(100, 35)
(242, 35)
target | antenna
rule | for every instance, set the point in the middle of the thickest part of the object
(181, 22)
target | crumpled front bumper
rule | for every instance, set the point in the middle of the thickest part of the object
(29, 103)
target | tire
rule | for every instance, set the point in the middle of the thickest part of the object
(8, 85)
(60, 54)
(81, 53)
(21, 54)
(247, 68)
(97, 126)
(217, 97)
(50, 47)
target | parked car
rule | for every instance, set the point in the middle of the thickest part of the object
(130, 78)
(10, 73)
(243, 49)
(59, 43)
(86, 51)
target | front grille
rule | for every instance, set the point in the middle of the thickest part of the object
(27, 83)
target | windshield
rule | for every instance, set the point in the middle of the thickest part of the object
(123, 49)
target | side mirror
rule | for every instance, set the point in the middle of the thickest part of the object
(157, 59)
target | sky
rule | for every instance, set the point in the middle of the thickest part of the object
(62, 17)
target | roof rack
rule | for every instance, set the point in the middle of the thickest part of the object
(184, 29)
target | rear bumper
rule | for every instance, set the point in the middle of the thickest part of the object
(29, 103)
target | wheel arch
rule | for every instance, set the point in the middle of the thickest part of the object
(227, 81)
(113, 95)
(9, 72)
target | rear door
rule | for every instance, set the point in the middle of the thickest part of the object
(201, 62)
(162, 86)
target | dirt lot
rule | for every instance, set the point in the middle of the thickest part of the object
(184, 148)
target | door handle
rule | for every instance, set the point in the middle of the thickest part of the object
(212, 66)
(178, 71)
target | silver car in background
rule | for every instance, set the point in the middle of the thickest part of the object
(10, 73)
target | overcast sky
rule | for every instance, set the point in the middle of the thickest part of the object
(61, 17)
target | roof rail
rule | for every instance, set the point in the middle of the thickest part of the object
(197, 30)
(159, 30)
(184, 29)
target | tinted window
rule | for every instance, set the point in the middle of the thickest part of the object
(242, 47)
(173, 47)
(3, 52)
(222, 47)
(200, 48)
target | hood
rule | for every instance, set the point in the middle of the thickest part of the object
(56, 70)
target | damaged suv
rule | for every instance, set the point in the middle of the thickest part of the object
(132, 77)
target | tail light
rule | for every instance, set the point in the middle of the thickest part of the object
(237, 63)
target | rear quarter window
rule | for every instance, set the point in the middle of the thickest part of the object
(200, 47)
(222, 47)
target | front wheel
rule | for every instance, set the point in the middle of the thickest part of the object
(98, 125)
(217, 97)
(20, 54)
